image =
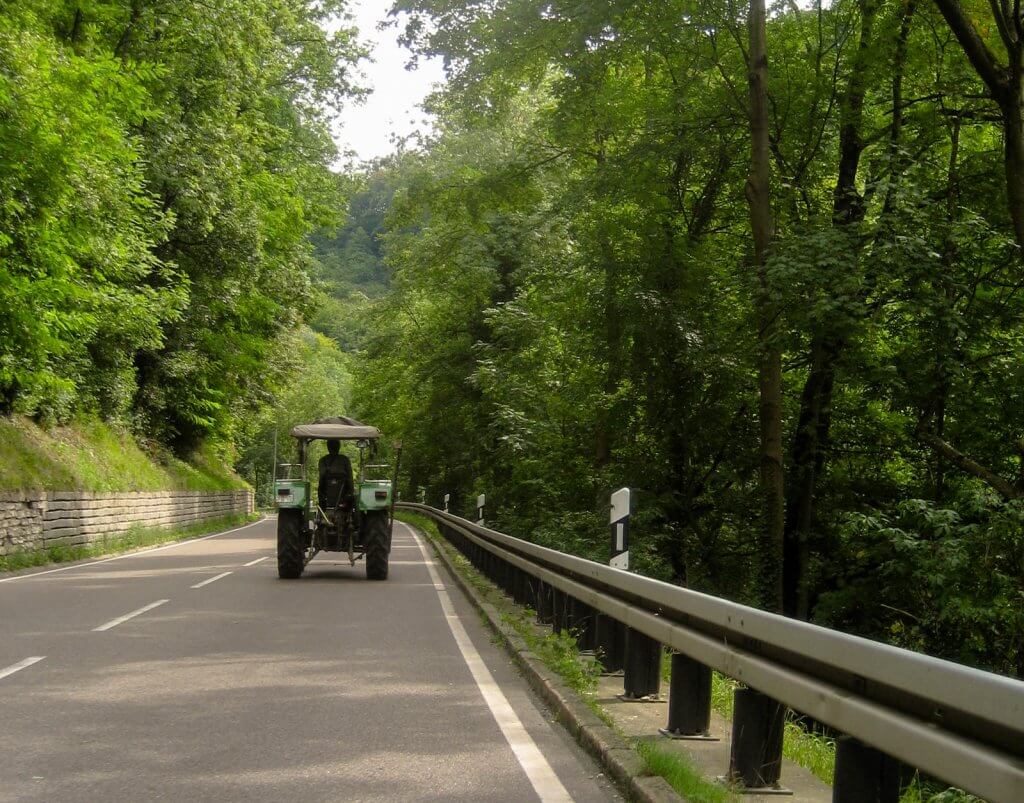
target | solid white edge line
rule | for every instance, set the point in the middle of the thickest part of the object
(543, 778)
(254, 562)
(132, 554)
(211, 579)
(10, 670)
(127, 616)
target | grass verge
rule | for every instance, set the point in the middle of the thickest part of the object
(680, 774)
(560, 654)
(135, 538)
(90, 455)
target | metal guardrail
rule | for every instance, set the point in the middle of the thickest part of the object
(958, 724)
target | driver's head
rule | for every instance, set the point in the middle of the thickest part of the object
(332, 445)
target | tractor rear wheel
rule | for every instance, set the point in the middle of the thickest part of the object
(290, 554)
(377, 546)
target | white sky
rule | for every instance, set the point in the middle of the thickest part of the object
(368, 129)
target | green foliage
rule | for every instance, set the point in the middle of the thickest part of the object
(81, 287)
(572, 309)
(314, 382)
(938, 580)
(161, 165)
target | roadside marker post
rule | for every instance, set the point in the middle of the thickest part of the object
(642, 659)
(480, 501)
(622, 509)
(447, 497)
(610, 633)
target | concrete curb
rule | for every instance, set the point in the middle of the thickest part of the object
(604, 744)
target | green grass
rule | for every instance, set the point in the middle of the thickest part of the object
(90, 455)
(681, 775)
(135, 538)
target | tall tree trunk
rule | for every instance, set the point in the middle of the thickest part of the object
(612, 316)
(946, 338)
(770, 365)
(810, 441)
(1013, 127)
(899, 62)
(1005, 85)
(613, 362)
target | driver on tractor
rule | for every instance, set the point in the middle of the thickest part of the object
(335, 490)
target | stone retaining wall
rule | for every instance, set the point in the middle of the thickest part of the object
(31, 520)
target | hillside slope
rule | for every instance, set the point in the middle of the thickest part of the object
(93, 456)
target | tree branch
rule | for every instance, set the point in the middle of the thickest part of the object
(978, 53)
(1002, 486)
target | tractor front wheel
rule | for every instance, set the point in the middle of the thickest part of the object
(291, 525)
(377, 547)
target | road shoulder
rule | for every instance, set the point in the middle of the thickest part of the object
(612, 751)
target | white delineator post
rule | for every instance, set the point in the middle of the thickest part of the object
(480, 501)
(446, 498)
(622, 507)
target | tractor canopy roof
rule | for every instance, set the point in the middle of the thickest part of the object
(340, 428)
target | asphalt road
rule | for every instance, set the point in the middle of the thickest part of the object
(229, 684)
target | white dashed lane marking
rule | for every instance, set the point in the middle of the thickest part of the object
(10, 670)
(122, 619)
(213, 579)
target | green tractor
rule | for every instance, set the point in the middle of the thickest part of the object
(352, 518)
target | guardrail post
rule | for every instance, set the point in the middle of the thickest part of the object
(642, 679)
(755, 756)
(583, 623)
(543, 603)
(566, 621)
(611, 643)
(864, 774)
(689, 699)
(521, 589)
(569, 615)
(529, 589)
(558, 600)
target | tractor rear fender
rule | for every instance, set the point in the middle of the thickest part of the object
(291, 494)
(375, 495)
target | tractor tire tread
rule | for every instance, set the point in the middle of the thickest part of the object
(377, 546)
(290, 554)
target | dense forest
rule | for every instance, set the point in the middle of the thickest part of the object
(161, 167)
(781, 297)
(760, 264)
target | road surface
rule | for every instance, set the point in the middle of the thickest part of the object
(191, 672)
